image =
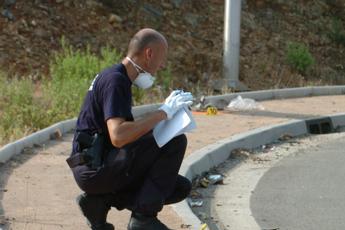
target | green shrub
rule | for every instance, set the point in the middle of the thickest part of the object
(299, 57)
(164, 79)
(72, 72)
(337, 33)
(21, 112)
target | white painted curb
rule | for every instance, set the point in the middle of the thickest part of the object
(11, 149)
(277, 94)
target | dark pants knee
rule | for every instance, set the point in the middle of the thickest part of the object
(182, 190)
(162, 181)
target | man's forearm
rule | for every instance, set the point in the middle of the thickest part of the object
(130, 131)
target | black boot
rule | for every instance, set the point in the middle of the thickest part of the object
(142, 222)
(95, 208)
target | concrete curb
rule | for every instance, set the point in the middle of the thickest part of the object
(209, 156)
(212, 155)
(276, 94)
(11, 149)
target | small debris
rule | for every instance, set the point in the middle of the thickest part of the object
(200, 105)
(267, 148)
(258, 159)
(204, 182)
(215, 178)
(211, 110)
(240, 154)
(27, 150)
(113, 18)
(3, 220)
(3, 190)
(195, 203)
(37, 145)
(204, 227)
(8, 14)
(185, 225)
(285, 137)
(195, 195)
(203, 215)
(244, 104)
(56, 135)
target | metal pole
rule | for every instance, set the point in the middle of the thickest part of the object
(232, 27)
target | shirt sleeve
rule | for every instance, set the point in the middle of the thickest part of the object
(116, 101)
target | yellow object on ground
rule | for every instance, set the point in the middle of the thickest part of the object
(204, 227)
(211, 110)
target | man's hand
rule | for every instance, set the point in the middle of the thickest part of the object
(176, 100)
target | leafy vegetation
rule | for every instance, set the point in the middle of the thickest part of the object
(20, 111)
(299, 57)
(337, 33)
(72, 72)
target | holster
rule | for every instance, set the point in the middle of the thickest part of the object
(91, 150)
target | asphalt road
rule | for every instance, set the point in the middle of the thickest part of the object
(304, 191)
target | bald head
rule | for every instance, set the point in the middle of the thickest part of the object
(143, 39)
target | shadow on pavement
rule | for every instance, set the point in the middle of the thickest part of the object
(274, 114)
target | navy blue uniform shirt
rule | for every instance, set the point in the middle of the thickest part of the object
(109, 96)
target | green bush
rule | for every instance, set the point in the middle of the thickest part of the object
(337, 33)
(72, 72)
(21, 112)
(299, 57)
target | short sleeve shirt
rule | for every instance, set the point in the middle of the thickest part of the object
(108, 96)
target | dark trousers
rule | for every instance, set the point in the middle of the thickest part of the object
(147, 182)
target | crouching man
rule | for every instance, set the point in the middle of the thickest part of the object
(115, 159)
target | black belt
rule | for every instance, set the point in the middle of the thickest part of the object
(78, 159)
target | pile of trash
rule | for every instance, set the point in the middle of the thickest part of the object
(244, 104)
(195, 199)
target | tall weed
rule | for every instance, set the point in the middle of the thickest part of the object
(21, 113)
(72, 72)
(299, 57)
(337, 33)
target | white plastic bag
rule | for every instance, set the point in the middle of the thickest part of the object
(244, 104)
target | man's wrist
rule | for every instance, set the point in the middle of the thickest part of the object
(167, 110)
(163, 114)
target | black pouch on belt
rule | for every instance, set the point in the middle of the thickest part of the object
(92, 148)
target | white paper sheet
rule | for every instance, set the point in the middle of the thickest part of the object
(180, 123)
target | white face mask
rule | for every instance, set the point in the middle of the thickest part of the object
(144, 80)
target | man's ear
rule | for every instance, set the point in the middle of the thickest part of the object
(149, 53)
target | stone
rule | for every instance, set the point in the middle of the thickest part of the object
(192, 19)
(153, 10)
(176, 3)
(113, 18)
(40, 32)
(9, 3)
(8, 14)
(56, 135)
